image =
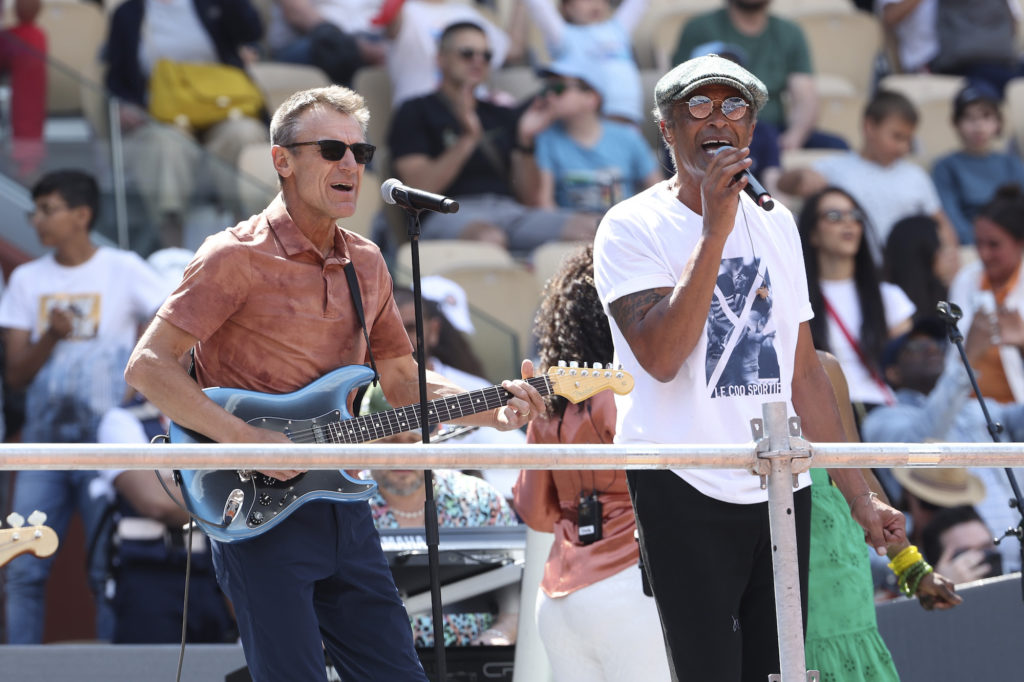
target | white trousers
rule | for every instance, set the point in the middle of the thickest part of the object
(606, 632)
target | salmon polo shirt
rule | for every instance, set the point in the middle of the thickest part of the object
(272, 314)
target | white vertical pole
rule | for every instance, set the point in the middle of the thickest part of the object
(789, 618)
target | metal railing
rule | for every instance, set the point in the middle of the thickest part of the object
(777, 455)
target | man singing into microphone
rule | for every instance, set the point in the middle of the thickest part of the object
(709, 300)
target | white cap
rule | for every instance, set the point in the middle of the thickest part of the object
(451, 299)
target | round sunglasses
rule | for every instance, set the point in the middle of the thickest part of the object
(334, 150)
(733, 108)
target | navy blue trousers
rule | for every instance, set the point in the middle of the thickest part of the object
(319, 576)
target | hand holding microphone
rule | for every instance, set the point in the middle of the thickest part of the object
(754, 189)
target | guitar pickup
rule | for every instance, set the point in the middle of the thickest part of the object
(318, 434)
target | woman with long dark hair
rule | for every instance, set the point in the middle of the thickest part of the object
(593, 616)
(916, 260)
(855, 314)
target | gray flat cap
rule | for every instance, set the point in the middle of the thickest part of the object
(709, 70)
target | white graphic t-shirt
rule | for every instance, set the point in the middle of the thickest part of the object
(110, 295)
(744, 357)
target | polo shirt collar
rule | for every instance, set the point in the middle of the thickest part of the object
(293, 241)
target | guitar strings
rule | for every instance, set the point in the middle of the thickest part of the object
(337, 431)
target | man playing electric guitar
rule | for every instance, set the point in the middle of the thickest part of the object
(267, 307)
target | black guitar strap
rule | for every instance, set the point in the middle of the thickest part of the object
(357, 300)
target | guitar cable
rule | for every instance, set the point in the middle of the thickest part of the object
(188, 559)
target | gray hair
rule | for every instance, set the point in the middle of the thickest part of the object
(339, 98)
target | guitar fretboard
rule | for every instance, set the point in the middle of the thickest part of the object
(389, 422)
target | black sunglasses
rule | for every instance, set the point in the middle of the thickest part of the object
(469, 53)
(334, 150)
(733, 108)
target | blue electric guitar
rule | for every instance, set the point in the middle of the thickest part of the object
(237, 505)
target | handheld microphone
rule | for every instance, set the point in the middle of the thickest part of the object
(754, 189)
(394, 192)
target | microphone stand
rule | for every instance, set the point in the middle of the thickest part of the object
(430, 527)
(950, 313)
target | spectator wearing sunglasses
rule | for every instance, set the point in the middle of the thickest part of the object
(412, 56)
(709, 306)
(267, 307)
(855, 314)
(450, 142)
(587, 162)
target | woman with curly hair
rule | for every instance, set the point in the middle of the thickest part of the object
(592, 613)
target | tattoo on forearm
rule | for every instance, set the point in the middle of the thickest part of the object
(632, 308)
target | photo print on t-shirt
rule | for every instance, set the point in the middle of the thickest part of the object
(741, 359)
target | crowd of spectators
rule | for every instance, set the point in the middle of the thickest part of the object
(882, 238)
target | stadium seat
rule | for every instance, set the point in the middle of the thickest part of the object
(656, 35)
(1013, 111)
(437, 256)
(505, 300)
(75, 31)
(840, 108)
(843, 43)
(374, 84)
(257, 179)
(547, 259)
(279, 80)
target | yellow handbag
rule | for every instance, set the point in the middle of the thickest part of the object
(198, 96)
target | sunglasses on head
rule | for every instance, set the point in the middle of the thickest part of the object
(836, 216)
(334, 150)
(733, 108)
(469, 53)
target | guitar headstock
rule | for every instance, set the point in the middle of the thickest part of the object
(36, 538)
(577, 383)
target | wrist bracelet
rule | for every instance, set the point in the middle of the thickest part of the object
(525, 149)
(870, 493)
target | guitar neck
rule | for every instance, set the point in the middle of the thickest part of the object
(389, 422)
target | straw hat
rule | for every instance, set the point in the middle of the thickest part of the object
(942, 487)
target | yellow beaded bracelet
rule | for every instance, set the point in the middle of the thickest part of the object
(905, 559)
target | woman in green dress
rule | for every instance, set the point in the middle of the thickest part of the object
(842, 641)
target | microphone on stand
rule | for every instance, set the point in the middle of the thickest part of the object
(754, 189)
(951, 314)
(394, 192)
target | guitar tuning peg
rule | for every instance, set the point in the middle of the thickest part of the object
(574, 364)
(37, 518)
(561, 363)
(15, 520)
(598, 365)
